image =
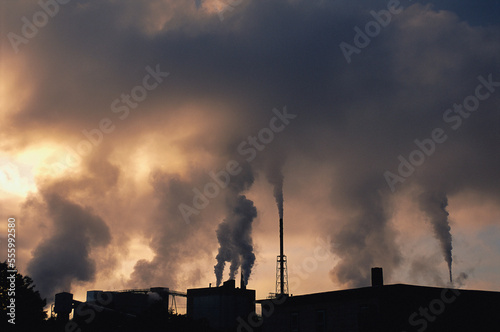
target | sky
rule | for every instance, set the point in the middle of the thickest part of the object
(154, 143)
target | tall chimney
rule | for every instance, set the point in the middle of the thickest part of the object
(242, 281)
(282, 272)
(377, 277)
(281, 267)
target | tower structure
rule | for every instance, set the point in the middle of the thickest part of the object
(281, 267)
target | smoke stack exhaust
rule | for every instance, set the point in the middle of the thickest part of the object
(377, 277)
(434, 204)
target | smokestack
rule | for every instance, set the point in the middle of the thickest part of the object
(282, 266)
(377, 277)
(242, 282)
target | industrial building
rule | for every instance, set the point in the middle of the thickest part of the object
(133, 301)
(379, 308)
(130, 302)
(220, 307)
(385, 308)
(107, 310)
(208, 309)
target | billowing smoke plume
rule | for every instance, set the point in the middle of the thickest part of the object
(434, 205)
(275, 177)
(65, 256)
(171, 238)
(235, 232)
(366, 238)
(234, 236)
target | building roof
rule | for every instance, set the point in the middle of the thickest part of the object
(364, 292)
(228, 288)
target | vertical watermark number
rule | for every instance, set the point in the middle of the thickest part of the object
(11, 270)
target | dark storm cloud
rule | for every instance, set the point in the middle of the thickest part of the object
(356, 117)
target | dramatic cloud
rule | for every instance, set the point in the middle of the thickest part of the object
(121, 112)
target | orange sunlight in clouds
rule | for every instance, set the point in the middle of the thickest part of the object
(105, 186)
(151, 154)
(12, 98)
(17, 173)
(138, 248)
(473, 211)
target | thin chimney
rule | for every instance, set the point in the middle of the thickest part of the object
(242, 282)
(282, 288)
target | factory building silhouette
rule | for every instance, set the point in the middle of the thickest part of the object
(384, 308)
(221, 306)
(227, 308)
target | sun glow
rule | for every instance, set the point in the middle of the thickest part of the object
(18, 172)
(12, 98)
(15, 178)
